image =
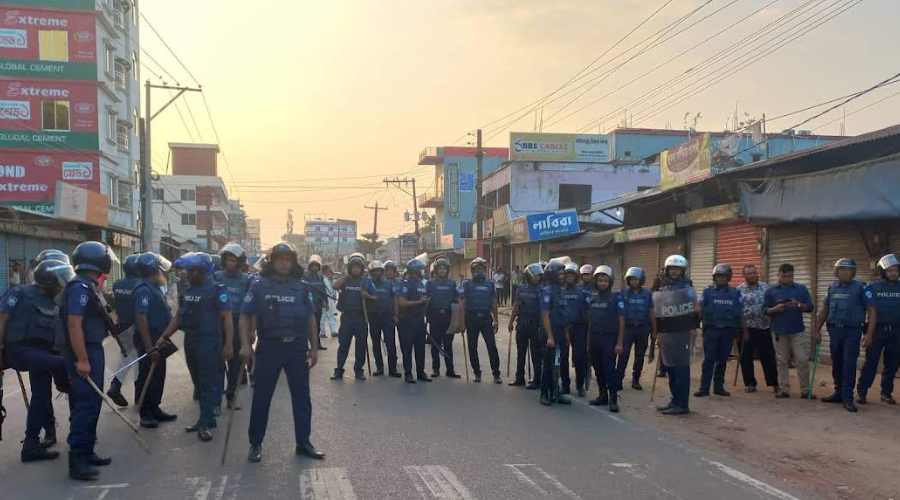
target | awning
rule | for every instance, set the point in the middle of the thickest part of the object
(857, 192)
(589, 240)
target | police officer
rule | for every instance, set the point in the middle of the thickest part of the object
(29, 319)
(553, 318)
(587, 277)
(607, 330)
(479, 301)
(676, 331)
(382, 313)
(204, 310)
(443, 294)
(883, 333)
(722, 320)
(281, 308)
(575, 295)
(151, 317)
(85, 327)
(846, 305)
(354, 290)
(123, 301)
(237, 282)
(526, 318)
(412, 301)
(314, 280)
(640, 324)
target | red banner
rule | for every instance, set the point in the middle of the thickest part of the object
(22, 104)
(46, 35)
(29, 176)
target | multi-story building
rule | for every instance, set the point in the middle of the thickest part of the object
(330, 237)
(254, 237)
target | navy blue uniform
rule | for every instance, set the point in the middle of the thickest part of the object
(552, 303)
(237, 285)
(529, 331)
(479, 296)
(604, 313)
(123, 295)
(31, 327)
(381, 324)
(846, 304)
(576, 299)
(636, 311)
(353, 322)
(443, 294)
(199, 313)
(150, 302)
(676, 333)
(722, 312)
(412, 326)
(886, 299)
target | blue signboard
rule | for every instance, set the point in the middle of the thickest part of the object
(466, 182)
(549, 225)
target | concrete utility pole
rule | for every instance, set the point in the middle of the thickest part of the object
(404, 182)
(376, 208)
(479, 210)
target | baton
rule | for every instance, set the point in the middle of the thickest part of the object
(165, 350)
(441, 350)
(509, 350)
(366, 317)
(118, 413)
(740, 350)
(466, 353)
(22, 389)
(812, 374)
(231, 418)
(655, 372)
(140, 401)
(527, 359)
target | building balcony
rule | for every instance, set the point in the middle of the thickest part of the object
(429, 156)
(430, 200)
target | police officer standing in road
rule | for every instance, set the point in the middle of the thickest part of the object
(846, 305)
(123, 301)
(443, 293)
(29, 318)
(587, 277)
(677, 300)
(575, 295)
(281, 309)
(883, 333)
(607, 331)
(354, 290)
(479, 302)
(151, 317)
(640, 324)
(313, 279)
(526, 318)
(85, 328)
(382, 317)
(722, 321)
(553, 318)
(412, 301)
(237, 282)
(203, 312)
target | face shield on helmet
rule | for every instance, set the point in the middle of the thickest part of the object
(887, 262)
(534, 272)
(440, 264)
(722, 270)
(478, 268)
(51, 253)
(586, 269)
(51, 274)
(415, 267)
(603, 272)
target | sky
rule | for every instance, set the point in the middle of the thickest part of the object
(315, 102)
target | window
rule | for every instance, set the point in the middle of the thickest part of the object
(159, 194)
(118, 12)
(124, 195)
(110, 61)
(112, 186)
(55, 115)
(112, 123)
(465, 229)
(188, 219)
(503, 196)
(121, 67)
(53, 45)
(188, 195)
(577, 196)
(123, 135)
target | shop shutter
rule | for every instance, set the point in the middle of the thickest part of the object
(642, 254)
(793, 244)
(702, 256)
(738, 244)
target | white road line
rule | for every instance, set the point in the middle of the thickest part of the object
(326, 483)
(752, 482)
(105, 489)
(521, 469)
(641, 473)
(437, 482)
(203, 486)
(525, 479)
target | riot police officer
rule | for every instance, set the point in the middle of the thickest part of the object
(237, 282)
(479, 301)
(575, 297)
(846, 305)
(281, 308)
(151, 317)
(204, 310)
(607, 330)
(354, 290)
(526, 318)
(29, 318)
(382, 313)
(412, 300)
(123, 301)
(676, 325)
(553, 318)
(85, 327)
(587, 277)
(443, 294)
(883, 333)
(722, 320)
(314, 280)
(640, 324)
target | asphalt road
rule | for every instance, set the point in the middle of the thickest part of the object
(390, 440)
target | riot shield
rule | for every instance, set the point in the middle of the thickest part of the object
(674, 309)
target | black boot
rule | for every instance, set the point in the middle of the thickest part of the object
(720, 391)
(49, 435)
(409, 378)
(533, 385)
(98, 461)
(545, 398)
(834, 398)
(360, 375)
(32, 451)
(517, 382)
(80, 469)
(614, 401)
(602, 399)
(115, 393)
(338, 374)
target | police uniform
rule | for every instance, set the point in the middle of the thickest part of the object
(353, 324)
(443, 294)
(636, 311)
(553, 304)
(381, 325)
(846, 304)
(604, 311)
(412, 326)
(886, 299)
(199, 310)
(237, 284)
(722, 312)
(316, 284)
(576, 299)
(282, 307)
(675, 341)
(123, 297)
(480, 297)
(150, 302)
(529, 332)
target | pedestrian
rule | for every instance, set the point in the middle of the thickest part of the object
(526, 318)
(640, 325)
(883, 333)
(515, 279)
(607, 332)
(354, 290)
(847, 304)
(29, 318)
(313, 279)
(412, 300)
(722, 323)
(203, 312)
(785, 303)
(758, 341)
(587, 277)
(553, 318)
(575, 295)
(443, 293)
(237, 282)
(676, 325)
(498, 278)
(84, 324)
(329, 323)
(479, 301)
(123, 302)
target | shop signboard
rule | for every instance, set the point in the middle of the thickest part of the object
(39, 43)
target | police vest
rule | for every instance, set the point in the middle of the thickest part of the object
(552, 297)
(123, 294)
(350, 299)
(411, 290)
(637, 307)
(575, 299)
(384, 297)
(92, 322)
(317, 286)
(886, 296)
(479, 296)
(846, 304)
(198, 311)
(529, 299)
(236, 284)
(442, 293)
(158, 312)
(284, 308)
(722, 307)
(33, 318)
(604, 312)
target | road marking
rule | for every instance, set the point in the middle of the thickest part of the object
(640, 473)
(105, 489)
(326, 483)
(520, 472)
(437, 482)
(755, 483)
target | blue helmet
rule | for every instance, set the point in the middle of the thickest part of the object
(130, 266)
(93, 256)
(845, 263)
(534, 272)
(415, 265)
(51, 273)
(555, 266)
(637, 273)
(150, 263)
(195, 261)
(50, 253)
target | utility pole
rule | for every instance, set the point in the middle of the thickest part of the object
(376, 208)
(146, 187)
(404, 182)
(209, 222)
(479, 210)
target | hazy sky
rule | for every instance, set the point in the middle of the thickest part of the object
(321, 99)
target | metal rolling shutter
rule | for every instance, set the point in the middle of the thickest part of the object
(738, 245)
(702, 256)
(794, 244)
(642, 254)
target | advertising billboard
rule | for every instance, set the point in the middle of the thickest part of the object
(48, 44)
(81, 205)
(28, 179)
(687, 162)
(48, 114)
(535, 146)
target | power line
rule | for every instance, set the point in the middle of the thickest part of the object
(819, 105)
(891, 96)
(161, 39)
